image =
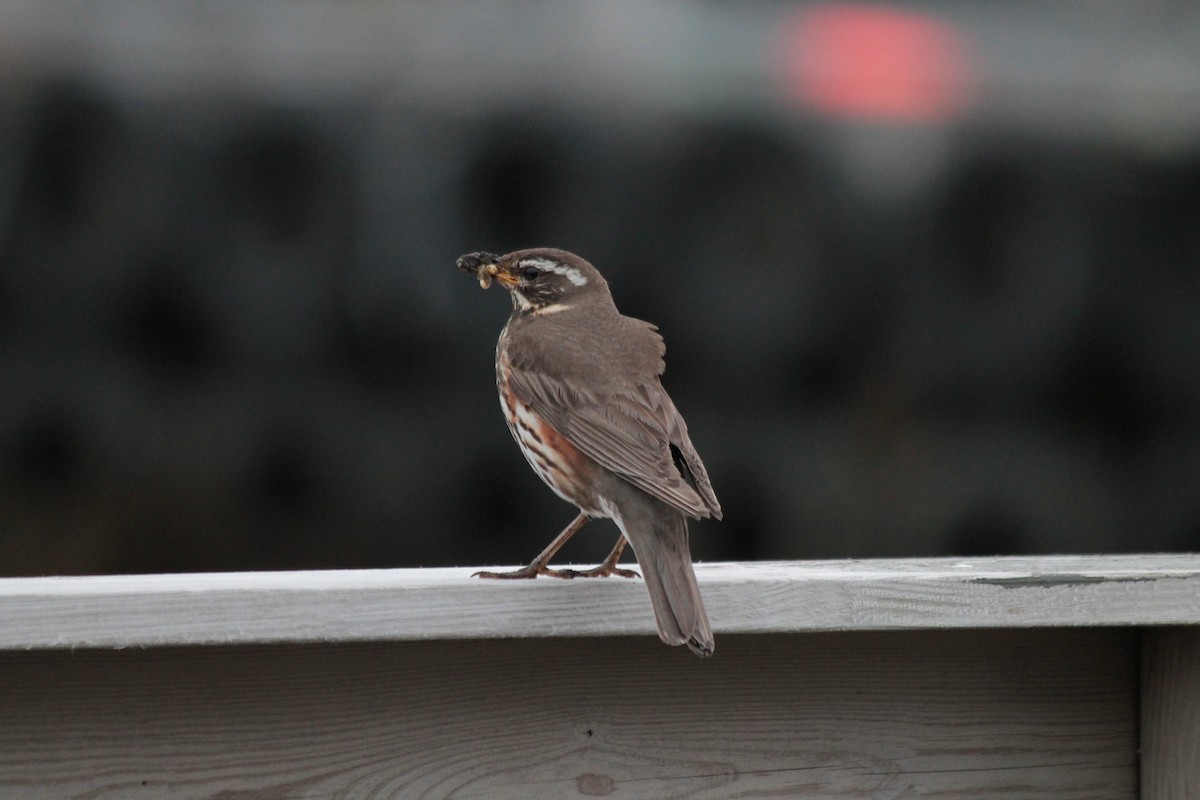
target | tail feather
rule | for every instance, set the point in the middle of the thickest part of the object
(660, 543)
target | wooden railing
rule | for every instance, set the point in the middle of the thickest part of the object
(1014, 678)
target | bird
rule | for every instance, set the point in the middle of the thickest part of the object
(580, 387)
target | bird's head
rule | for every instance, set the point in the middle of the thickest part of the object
(541, 280)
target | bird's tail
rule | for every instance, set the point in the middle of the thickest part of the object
(660, 543)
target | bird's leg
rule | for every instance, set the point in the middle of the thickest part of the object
(607, 568)
(539, 565)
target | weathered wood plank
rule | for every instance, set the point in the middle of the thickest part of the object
(333, 606)
(1171, 714)
(1002, 715)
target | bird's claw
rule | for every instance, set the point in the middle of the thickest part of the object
(516, 574)
(602, 571)
(534, 570)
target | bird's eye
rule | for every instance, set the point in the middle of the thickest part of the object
(531, 273)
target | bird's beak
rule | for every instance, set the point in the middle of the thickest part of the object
(507, 278)
(485, 267)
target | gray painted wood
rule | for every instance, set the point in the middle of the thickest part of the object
(1171, 714)
(148, 610)
(1001, 715)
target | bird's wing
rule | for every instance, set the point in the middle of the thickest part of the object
(635, 432)
(688, 460)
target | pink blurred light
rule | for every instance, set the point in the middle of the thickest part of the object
(875, 63)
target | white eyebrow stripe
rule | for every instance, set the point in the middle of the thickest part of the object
(546, 265)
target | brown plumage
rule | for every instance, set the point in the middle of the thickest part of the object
(580, 387)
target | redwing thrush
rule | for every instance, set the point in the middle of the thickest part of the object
(579, 385)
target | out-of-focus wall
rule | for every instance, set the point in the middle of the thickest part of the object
(913, 305)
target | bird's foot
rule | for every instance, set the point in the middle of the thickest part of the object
(607, 568)
(541, 564)
(533, 570)
(602, 571)
(526, 572)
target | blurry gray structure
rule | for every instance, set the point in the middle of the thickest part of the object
(232, 335)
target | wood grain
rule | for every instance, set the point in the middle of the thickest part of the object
(1171, 714)
(774, 597)
(1003, 715)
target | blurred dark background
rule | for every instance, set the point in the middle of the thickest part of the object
(929, 273)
